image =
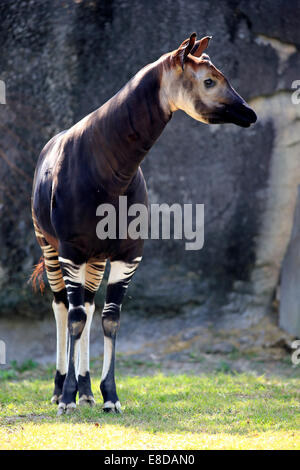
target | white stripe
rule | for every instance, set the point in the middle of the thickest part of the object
(71, 306)
(65, 260)
(121, 271)
(84, 356)
(61, 317)
(73, 272)
(109, 306)
(108, 347)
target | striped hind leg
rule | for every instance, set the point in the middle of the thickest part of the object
(93, 277)
(120, 275)
(60, 309)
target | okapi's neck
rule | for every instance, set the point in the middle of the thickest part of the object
(125, 128)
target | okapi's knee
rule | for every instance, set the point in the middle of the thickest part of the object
(111, 320)
(76, 321)
(61, 296)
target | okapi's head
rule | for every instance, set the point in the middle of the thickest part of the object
(193, 84)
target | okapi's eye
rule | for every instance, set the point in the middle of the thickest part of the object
(209, 83)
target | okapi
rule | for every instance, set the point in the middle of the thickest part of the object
(94, 162)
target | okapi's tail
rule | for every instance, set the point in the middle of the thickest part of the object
(36, 278)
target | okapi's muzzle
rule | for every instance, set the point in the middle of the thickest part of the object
(239, 113)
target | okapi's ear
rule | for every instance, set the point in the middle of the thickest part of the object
(200, 46)
(185, 48)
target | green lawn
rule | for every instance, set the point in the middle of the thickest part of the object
(218, 410)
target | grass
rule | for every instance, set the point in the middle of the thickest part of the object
(220, 410)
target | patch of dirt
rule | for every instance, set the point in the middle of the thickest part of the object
(176, 344)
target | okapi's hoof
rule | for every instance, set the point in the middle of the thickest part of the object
(61, 409)
(55, 399)
(87, 400)
(70, 408)
(66, 409)
(110, 407)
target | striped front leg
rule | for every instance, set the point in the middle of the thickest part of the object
(120, 275)
(74, 278)
(93, 277)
